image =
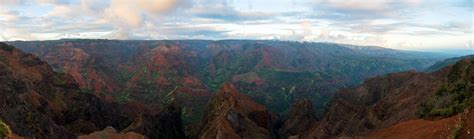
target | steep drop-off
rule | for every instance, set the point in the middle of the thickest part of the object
(37, 102)
(232, 115)
(273, 73)
(403, 105)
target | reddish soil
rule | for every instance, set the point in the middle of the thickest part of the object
(443, 128)
(418, 129)
(110, 133)
(468, 126)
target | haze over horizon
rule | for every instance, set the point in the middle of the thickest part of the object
(236, 69)
(425, 25)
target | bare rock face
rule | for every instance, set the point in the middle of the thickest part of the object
(387, 106)
(302, 118)
(378, 103)
(40, 103)
(233, 115)
(147, 70)
(32, 95)
(167, 124)
(111, 133)
(37, 102)
(467, 128)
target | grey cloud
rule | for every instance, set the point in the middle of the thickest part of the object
(189, 31)
(229, 14)
(222, 10)
(359, 10)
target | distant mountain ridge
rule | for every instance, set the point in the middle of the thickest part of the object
(388, 52)
(274, 73)
(445, 63)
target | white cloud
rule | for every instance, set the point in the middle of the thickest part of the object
(396, 24)
(157, 6)
(17, 34)
(122, 11)
(11, 2)
(9, 16)
(52, 1)
(365, 5)
(62, 10)
(130, 15)
(358, 5)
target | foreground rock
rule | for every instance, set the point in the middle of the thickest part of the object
(111, 133)
(37, 102)
(233, 115)
(301, 119)
(167, 124)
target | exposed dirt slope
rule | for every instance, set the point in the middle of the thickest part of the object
(392, 105)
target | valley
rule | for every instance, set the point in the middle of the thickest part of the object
(236, 69)
(274, 73)
(179, 89)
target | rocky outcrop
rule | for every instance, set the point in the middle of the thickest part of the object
(459, 126)
(276, 72)
(301, 119)
(395, 101)
(378, 103)
(167, 124)
(111, 133)
(37, 102)
(466, 130)
(32, 95)
(230, 114)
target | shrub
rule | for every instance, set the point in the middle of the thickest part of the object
(456, 132)
(6, 47)
(4, 130)
(123, 97)
(424, 110)
(454, 96)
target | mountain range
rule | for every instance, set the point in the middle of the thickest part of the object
(229, 89)
(274, 73)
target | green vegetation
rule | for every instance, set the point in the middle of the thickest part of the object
(124, 75)
(457, 131)
(280, 71)
(445, 63)
(60, 80)
(4, 130)
(6, 47)
(191, 115)
(453, 97)
(123, 97)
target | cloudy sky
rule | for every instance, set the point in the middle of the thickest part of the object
(399, 24)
